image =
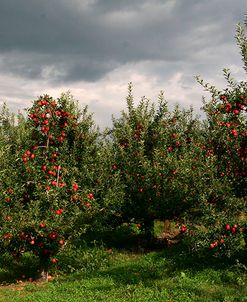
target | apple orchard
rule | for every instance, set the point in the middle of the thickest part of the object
(62, 178)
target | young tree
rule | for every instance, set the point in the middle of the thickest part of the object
(150, 153)
(44, 200)
(226, 140)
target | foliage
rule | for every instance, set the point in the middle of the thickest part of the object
(226, 141)
(49, 190)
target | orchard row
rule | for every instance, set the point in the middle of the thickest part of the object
(61, 177)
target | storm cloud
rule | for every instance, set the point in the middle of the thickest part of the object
(60, 44)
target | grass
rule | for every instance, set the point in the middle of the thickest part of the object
(169, 275)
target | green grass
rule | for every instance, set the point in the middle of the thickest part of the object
(170, 275)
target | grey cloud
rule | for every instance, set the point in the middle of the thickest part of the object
(55, 69)
(84, 40)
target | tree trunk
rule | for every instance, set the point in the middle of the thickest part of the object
(43, 277)
(149, 231)
(167, 226)
(43, 271)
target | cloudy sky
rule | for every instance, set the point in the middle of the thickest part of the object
(94, 48)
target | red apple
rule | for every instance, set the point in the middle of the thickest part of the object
(183, 229)
(228, 227)
(233, 230)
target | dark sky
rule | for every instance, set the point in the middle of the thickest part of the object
(94, 48)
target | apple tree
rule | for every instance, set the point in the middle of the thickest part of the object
(154, 154)
(44, 196)
(226, 141)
